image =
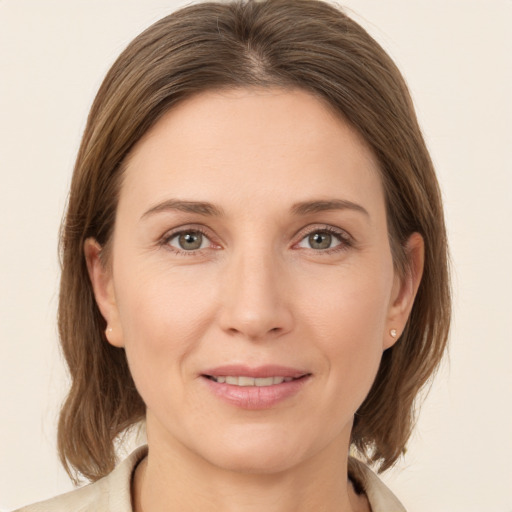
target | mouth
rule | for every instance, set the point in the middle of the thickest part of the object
(255, 388)
(245, 381)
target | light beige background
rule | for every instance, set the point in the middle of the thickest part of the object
(457, 58)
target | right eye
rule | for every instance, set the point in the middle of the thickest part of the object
(189, 240)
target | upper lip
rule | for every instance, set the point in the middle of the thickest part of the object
(255, 371)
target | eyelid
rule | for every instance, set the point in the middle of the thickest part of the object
(345, 238)
(174, 232)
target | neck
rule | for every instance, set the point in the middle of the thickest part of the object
(170, 478)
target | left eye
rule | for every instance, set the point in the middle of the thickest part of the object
(320, 240)
(189, 241)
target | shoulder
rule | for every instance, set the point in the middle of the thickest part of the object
(111, 493)
(380, 497)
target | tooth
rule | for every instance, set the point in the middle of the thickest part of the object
(246, 381)
(264, 381)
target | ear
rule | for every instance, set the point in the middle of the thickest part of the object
(405, 289)
(102, 282)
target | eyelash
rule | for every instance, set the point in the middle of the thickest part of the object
(346, 241)
(166, 239)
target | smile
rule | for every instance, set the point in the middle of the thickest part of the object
(255, 388)
(244, 381)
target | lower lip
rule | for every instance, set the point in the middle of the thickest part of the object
(256, 397)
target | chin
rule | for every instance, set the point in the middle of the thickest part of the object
(263, 450)
(260, 460)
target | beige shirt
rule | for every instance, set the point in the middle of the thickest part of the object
(113, 492)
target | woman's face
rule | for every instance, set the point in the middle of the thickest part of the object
(251, 245)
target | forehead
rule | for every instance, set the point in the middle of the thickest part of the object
(252, 143)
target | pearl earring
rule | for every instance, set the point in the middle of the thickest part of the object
(393, 333)
(109, 329)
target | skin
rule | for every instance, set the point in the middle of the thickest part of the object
(258, 291)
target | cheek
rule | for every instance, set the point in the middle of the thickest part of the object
(163, 317)
(348, 317)
(155, 297)
(351, 303)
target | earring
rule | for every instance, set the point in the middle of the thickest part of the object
(109, 329)
(392, 332)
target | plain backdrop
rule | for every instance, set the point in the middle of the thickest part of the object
(457, 58)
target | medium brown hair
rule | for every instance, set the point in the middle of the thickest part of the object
(304, 44)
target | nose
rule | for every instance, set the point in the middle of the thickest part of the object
(255, 297)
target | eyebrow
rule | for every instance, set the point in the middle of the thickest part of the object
(307, 207)
(199, 207)
(208, 209)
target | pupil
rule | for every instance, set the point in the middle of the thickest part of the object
(320, 240)
(190, 241)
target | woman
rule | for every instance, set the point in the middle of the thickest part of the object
(253, 262)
